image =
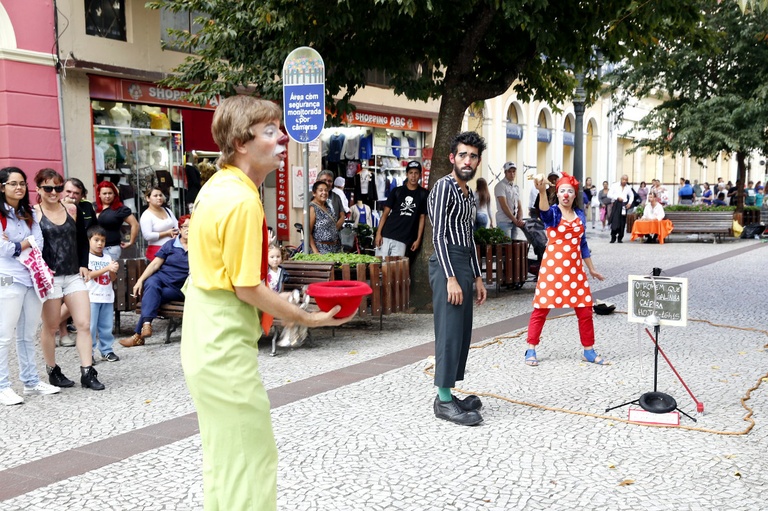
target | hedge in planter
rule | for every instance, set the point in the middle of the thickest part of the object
(491, 236)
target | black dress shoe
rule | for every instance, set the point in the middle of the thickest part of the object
(613, 240)
(57, 378)
(88, 379)
(621, 241)
(469, 403)
(451, 412)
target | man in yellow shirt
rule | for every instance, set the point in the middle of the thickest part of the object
(224, 294)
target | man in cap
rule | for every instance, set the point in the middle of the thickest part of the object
(338, 189)
(402, 222)
(533, 204)
(509, 210)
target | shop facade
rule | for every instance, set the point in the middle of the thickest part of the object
(369, 150)
(146, 135)
(30, 124)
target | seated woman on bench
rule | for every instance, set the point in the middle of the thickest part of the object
(161, 282)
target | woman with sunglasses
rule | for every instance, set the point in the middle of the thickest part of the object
(66, 253)
(112, 214)
(20, 313)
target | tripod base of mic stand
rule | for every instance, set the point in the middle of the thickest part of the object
(654, 402)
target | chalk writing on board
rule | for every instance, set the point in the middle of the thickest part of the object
(665, 298)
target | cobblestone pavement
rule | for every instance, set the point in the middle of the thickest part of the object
(366, 438)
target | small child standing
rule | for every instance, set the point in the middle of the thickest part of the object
(275, 275)
(102, 272)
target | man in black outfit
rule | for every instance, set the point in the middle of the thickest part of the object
(75, 193)
(402, 222)
(453, 268)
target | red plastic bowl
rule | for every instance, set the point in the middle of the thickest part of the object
(347, 293)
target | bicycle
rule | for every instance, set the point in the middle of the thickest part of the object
(356, 239)
(291, 250)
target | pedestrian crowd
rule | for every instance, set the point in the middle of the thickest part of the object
(58, 261)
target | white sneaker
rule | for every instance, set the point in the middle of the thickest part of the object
(8, 397)
(41, 389)
(67, 341)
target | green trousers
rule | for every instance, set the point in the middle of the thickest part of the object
(219, 356)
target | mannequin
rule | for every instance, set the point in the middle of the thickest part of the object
(381, 185)
(157, 120)
(157, 160)
(366, 188)
(120, 116)
(164, 178)
(361, 214)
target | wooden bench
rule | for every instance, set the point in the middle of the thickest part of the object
(127, 276)
(717, 223)
(297, 275)
(504, 264)
(173, 312)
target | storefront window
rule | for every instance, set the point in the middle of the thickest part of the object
(105, 18)
(138, 147)
(371, 160)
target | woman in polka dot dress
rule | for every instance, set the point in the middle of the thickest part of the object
(562, 281)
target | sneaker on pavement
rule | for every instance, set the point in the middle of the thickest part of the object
(110, 357)
(41, 389)
(67, 341)
(8, 397)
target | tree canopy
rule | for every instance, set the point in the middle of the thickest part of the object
(713, 84)
(460, 51)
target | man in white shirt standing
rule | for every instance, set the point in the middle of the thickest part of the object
(509, 210)
(621, 195)
(338, 189)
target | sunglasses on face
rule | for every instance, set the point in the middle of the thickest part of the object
(50, 189)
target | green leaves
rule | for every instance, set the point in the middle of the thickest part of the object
(492, 236)
(713, 82)
(338, 258)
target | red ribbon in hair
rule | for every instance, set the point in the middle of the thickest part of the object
(568, 180)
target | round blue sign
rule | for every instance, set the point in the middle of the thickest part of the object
(304, 94)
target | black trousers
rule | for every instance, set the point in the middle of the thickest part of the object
(618, 221)
(453, 323)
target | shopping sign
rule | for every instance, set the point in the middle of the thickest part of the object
(304, 94)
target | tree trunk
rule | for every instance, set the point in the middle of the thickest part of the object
(741, 178)
(452, 107)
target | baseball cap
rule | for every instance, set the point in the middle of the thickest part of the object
(509, 165)
(413, 164)
(339, 181)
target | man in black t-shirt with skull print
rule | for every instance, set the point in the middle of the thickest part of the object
(402, 223)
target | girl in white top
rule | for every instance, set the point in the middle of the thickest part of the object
(158, 224)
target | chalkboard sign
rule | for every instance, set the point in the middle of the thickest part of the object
(665, 297)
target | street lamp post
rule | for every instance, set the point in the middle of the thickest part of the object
(579, 103)
(579, 98)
